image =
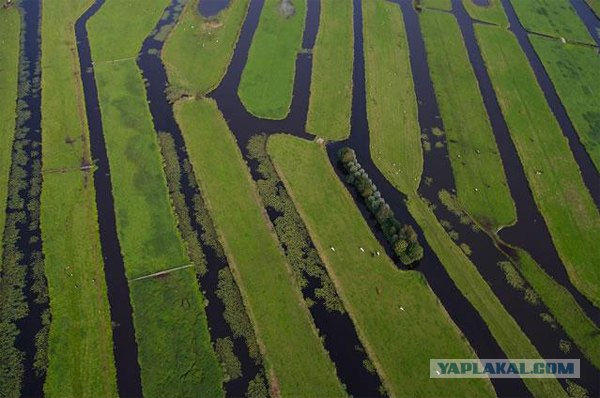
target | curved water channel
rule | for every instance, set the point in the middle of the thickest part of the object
(244, 125)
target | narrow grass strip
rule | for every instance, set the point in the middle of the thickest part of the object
(391, 99)
(492, 13)
(331, 83)
(201, 44)
(268, 78)
(295, 358)
(553, 174)
(80, 348)
(10, 34)
(384, 300)
(479, 174)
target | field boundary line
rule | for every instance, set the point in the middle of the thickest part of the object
(161, 273)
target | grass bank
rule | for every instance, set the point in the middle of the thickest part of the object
(551, 17)
(175, 353)
(553, 174)
(574, 73)
(80, 352)
(383, 300)
(331, 85)
(291, 347)
(198, 50)
(476, 164)
(391, 100)
(10, 31)
(492, 13)
(267, 82)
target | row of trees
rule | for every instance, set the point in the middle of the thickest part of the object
(403, 238)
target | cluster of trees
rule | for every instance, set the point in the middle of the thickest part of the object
(403, 238)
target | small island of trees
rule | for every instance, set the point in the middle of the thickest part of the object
(402, 238)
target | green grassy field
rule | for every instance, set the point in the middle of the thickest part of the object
(80, 349)
(374, 300)
(199, 44)
(292, 350)
(574, 73)
(147, 231)
(174, 347)
(170, 324)
(331, 85)
(493, 13)
(10, 33)
(476, 163)
(553, 174)
(268, 78)
(551, 17)
(391, 103)
(120, 26)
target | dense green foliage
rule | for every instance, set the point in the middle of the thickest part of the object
(402, 238)
(574, 73)
(173, 175)
(201, 44)
(476, 164)
(331, 82)
(550, 168)
(235, 312)
(391, 103)
(268, 78)
(229, 362)
(554, 18)
(292, 233)
(258, 263)
(380, 298)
